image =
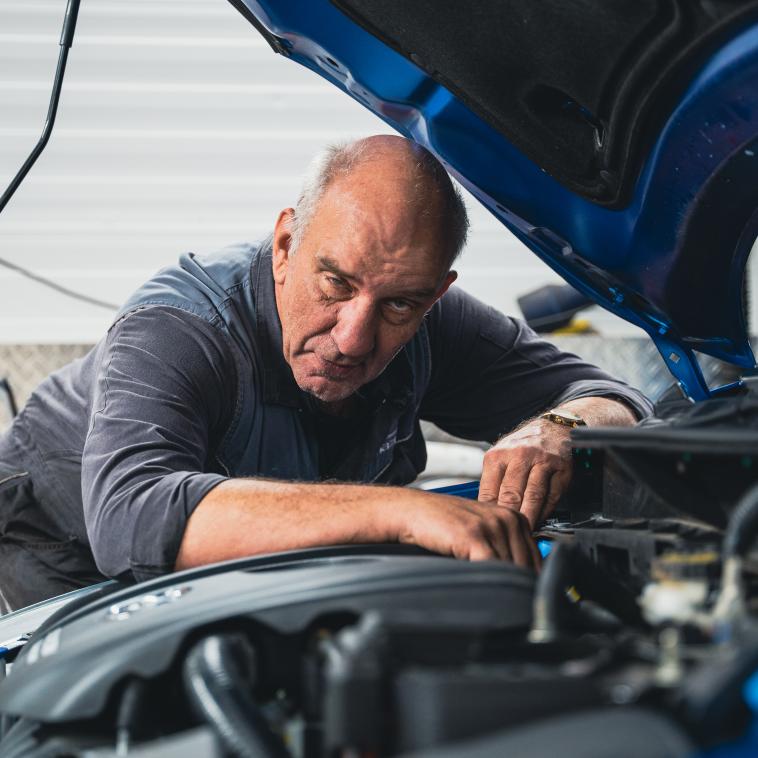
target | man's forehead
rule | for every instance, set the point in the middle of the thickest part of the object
(374, 215)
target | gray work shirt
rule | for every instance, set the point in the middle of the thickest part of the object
(190, 387)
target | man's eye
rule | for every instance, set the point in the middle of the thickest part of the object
(401, 306)
(333, 285)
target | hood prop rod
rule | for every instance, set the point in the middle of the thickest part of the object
(67, 38)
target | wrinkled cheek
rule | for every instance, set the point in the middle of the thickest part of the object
(319, 342)
(310, 325)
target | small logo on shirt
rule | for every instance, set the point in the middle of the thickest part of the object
(389, 443)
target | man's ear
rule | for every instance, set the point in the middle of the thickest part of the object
(282, 244)
(449, 279)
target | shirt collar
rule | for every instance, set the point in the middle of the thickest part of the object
(279, 386)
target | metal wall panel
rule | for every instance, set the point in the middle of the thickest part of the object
(178, 130)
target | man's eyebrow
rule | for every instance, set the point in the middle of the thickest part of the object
(422, 293)
(329, 265)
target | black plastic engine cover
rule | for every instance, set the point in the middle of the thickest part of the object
(69, 673)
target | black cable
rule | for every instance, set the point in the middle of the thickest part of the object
(218, 676)
(10, 398)
(739, 537)
(67, 37)
(57, 287)
(742, 530)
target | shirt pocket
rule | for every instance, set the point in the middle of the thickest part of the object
(15, 497)
(58, 490)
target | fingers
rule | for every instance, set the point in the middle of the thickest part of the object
(469, 530)
(518, 539)
(495, 534)
(488, 550)
(534, 488)
(515, 535)
(528, 469)
(514, 483)
(493, 471)
(523, 546)
(532, 544)
(536, 494)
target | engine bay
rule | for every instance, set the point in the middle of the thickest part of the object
(637, 637)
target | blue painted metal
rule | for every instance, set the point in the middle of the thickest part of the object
(624, 258)
(468, 490)
(545, 547)
(750, 693)
(744, 747)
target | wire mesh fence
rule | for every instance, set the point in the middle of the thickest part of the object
(25, 366)
(633, 359)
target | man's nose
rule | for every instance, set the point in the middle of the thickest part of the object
(354, 334)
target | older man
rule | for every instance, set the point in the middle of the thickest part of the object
(231, 387)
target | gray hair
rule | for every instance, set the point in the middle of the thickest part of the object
(430, 178)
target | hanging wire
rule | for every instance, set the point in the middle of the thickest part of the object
(57, 287)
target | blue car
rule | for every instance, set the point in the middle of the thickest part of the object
(619, 142)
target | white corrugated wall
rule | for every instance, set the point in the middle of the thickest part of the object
(178, 130)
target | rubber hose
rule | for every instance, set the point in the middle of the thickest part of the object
(218, 673)
(551, 610)
(743, 525)
(130, 709)
(568, 567)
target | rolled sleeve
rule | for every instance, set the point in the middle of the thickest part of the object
(157, 532)
(161, 401)
(613, 389)
(490, 372)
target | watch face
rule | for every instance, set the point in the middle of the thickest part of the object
(565, 418)
(572, 417)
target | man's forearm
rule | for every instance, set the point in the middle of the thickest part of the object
(242, 517)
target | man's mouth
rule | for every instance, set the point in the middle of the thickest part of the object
(333, 370)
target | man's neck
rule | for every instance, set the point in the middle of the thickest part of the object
(340, 408)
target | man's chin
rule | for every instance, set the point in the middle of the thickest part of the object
(327, 389)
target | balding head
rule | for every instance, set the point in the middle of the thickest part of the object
(395, 173)
(361, 260)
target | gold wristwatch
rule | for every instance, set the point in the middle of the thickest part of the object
(564, 418)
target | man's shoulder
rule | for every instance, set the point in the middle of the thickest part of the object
(200, 284)
(229, 268)
(457, 305)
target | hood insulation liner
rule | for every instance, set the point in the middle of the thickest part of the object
(579, 87)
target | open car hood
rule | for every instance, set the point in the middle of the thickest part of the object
(619, 141)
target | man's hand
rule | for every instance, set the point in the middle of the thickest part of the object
(469, 530)
(530, 468)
